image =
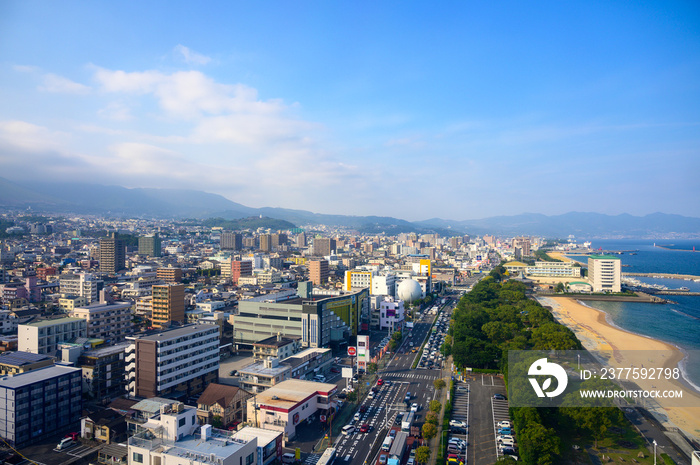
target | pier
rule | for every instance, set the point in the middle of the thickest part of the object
(689, 277)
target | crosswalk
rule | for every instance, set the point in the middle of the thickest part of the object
(312, 459)
(415, 376)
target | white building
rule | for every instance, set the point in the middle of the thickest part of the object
(43, 337)
(83, 285)
(605, 273)
(106, 320)
(391, 315)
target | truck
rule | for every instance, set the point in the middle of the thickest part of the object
(407, 421)
(386, 445)
(399, 447)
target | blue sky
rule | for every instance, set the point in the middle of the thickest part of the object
(457, 110)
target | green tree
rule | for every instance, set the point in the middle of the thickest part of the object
(538, 444)
(439, 383)
(435, 406)
(559, 287)
(431, 417)
(371, 368)
(216, 421)
(423, 454)
(429, 430)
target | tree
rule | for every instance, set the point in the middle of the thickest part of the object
(559, 287)
(435, 406)
(371, 368)
(423, 454)
(216, 421)
(429, 430)
(431, 417)
(439, 383)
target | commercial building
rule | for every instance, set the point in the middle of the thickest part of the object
(319, 272)
(43, 337)
(110, 321)
(391, 315)
(546, 269)
(150, 245)
(40, 404)
(269, 372)
(177, 362)
(357, 279)
(265, 242)
(112, 254)
(284, 406)
(317, 321)
(240, 268)
(605, 273)
(168, 304)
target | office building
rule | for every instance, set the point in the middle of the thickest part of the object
(150, 245)
(319, 272)
(112, 254)
(168, 304)
(357, 279)
(40, 405)
(175, 362)
(231, 241)
(43, 337)
(605, 273)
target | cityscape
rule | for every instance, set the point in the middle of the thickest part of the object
(368, 233)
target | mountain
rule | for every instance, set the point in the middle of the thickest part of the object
(88, 198)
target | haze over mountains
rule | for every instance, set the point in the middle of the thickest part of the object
(57, 197)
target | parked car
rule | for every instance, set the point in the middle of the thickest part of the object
(503, 424)
(499, 396)
(459, 423)
(335, 370)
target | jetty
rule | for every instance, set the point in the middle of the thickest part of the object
(688, 277)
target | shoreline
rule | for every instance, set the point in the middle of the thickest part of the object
(597, 333)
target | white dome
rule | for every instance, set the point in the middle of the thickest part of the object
(409, 290)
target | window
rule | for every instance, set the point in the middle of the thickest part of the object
(183, 421)
(138, 458)
(249, 459)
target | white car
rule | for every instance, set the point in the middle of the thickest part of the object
(503, 424)
(458, 442)
(458, 423)
(414, 407)
(504, 438)
(358, 416)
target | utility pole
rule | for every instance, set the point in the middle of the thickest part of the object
(389, 408)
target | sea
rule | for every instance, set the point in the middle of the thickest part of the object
(677, 323)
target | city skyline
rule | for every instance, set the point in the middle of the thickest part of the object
(461, 110)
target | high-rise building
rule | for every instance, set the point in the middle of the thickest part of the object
(180, 359)
(265, 242)
(169, 274)
(278, 240)
(150, 245)
(168, 304)
(83, 285)
(324, 246)
(240, 268)
(605, 273)
(318, 272)
(112, 254)
(231, 241)
(300, 240)
(522, 243)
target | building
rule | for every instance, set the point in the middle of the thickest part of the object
(605, 273)
(278, 346)
(384, 284)
(150, 245)
(168, 304)
(265, 242)
(283, 407)
(357, 279)
(231, 241)
(169, 274)
(104, 371)
(8, 322)
(240, 268)
(391, 315)
(83, 285)
(68, 303)
(257, 377)
(110, 321)
(104, 425)
(319, 272)
(545, 269)
(324, 246)
(112, 254)
(316, 320)
(177, 362)
(221, 405)
(15, 363)
(43, 404)
(43, 337)
(521, 246)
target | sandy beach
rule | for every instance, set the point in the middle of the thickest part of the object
(596, 334)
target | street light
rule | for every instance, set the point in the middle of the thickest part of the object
(654, 451)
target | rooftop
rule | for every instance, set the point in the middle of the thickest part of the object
(22, 358)
(177, 332)
(273, 341)
(36, 376)
(289, 393)
(221, 444)
(105, 351)
(603, 257)
(57, 321)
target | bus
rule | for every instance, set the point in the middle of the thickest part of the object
(328, 457)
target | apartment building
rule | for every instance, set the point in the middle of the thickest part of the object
(150, 245)
(84, 285)
(43, 337)
(40, 404)
(277, 346)
(112, 254)
(240, 268)
(104, 371)
(169, 274)
(168, 304)
(110, 321)
(319, 272)
(181, 360)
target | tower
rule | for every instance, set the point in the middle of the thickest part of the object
(112, 254)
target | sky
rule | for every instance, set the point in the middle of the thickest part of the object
(457, 110)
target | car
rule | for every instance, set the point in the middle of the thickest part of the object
(382, 459)
(399, 415)
(363, 408)
(454, 440)
(342, 395)
(370, 395)
(504, 437)
(340, 403)
(358, 416)
(354, 379)
(365, 428)
(454, 462)
(505, 431)
(503, 424)
(387, 382)
(65, 443)
(392, 433)
(499, 396)
(414, 407)
(458, 430)
(458, 423)
(334, 370)
(380, 381)
(233, 372)
(375, 389)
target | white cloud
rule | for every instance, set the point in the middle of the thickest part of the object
(30, 137)
(190, 56)
(59, 84)
(116, 111)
